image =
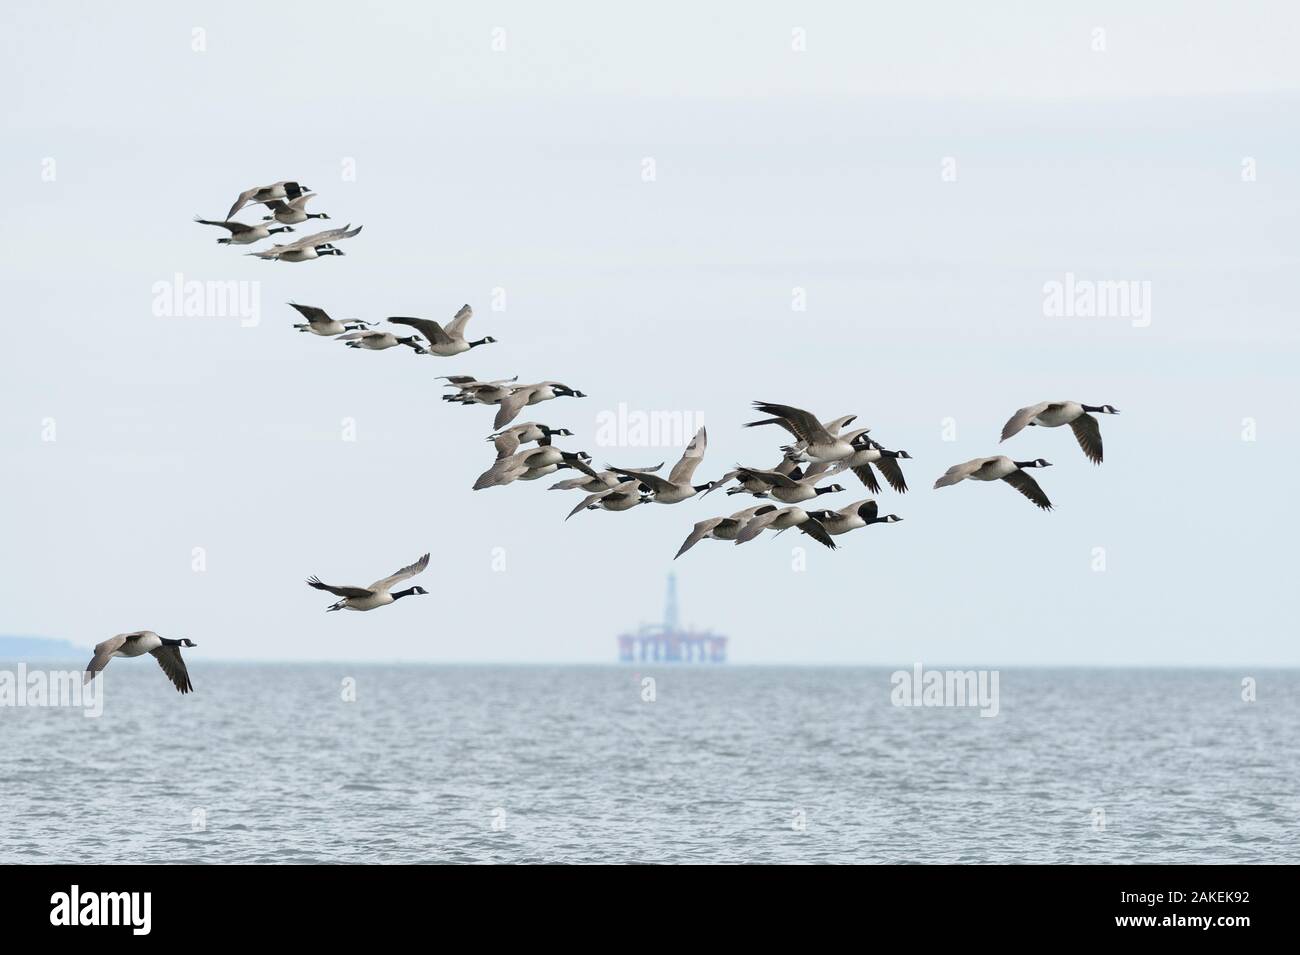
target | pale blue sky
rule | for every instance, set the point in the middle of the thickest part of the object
(522, 169)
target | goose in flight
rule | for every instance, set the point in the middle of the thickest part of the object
(377, 594)
(543, 460)
(857, 514)
(166, 652)
(677, 486)
(875, 453)
(293, 211)
(284, 189)
(241, 233)
(378, 341)
(319, 323)
(282, 253)
(507, 442)
(722, 528)
(1053, 414)
(784, 519)
(508, 408)
(815, 442)
(471, 391)
(753, 485)
(793, 488)
(603, 481)
(1000, 468)
(314, 246)
(620, 497)
(448, 341)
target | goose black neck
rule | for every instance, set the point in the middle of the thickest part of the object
(1093, 408)
(824, 490)
(398, 595)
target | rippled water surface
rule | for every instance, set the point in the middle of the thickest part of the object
(570, 764)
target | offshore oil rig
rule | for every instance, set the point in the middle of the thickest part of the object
(667, 642)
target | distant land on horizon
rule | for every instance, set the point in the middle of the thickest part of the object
(39, 648)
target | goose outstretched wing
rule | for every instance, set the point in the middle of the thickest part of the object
(1027, 486)
(410, 570)
(456, 327)
(684, 469)
(104, 652)
(1017, 422)
(169, 658)
(426, 327)
(1088, 433)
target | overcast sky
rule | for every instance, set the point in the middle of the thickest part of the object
(919, 171)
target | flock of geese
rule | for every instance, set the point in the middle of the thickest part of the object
(287, 203)
(818, 450)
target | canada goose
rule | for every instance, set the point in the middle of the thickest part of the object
(377, 594)
(815, 442)
(515, 402)
(284, 189)
(792, 488)
(857, 514)
(1000, 468)
(293, 211)
(319, 323)
(378, 341)
(677, 486)
(507, 442)
(166, 652)
(721, 528)
(784, 519)
(875, 453)
(509, 469)
(280, 253)
(603, 481)
(241, 233)
(754, 485)
(620, 497)
(314, 246)
(471, 391)
(1053, 414)
(448, 341)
